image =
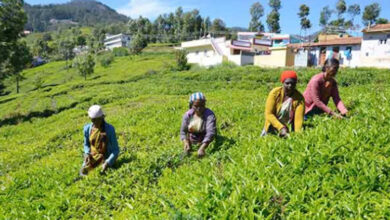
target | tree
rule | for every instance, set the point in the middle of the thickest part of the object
(217, 27)
(341, 7)
(65, 50)
(181, 60)
(273, 21)
(41, 48)
(325, 15)
(19, 58)
(256, 11)
(371, 13)
(12, 21)
(353, 11)
(206, 26)
(304, 11)
(382, 21)
(138, 43)
(275, 4)
(84, 64)
(274, 16)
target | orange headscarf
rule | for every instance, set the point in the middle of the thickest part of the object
(288, 74)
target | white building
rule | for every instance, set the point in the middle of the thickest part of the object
(375, 50)
(206, 52)
(119, 40)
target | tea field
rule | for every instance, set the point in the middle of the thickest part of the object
(334, 169)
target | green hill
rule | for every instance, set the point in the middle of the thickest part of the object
(334, 169)
(76, 12)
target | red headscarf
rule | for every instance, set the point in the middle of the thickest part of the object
(288, 74)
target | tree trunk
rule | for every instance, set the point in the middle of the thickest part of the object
(17, 83)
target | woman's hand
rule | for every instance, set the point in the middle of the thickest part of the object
(104, 167)
(187, 146)
(283, 132)
(87, 158)
(201, 151)
(338, 116)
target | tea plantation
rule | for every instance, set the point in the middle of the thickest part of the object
(337, 169)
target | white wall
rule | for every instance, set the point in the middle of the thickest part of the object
(202, 58)
(373, 52)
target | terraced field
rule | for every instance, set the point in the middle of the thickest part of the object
(334, 169)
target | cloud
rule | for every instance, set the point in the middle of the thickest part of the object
(146, 8)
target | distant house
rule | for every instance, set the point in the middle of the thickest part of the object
(241, 52)
(119, 40)
(206, 52)
(345, 49)
(279, 56)
(375, 48)
(80, 49)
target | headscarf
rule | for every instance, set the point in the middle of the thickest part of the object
(95, 111)
(288, 74)
(196, 96)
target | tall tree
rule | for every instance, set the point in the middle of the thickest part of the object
(206, 26)
(12, 21)
(256, 11)
(217, 27)
(354, 10)
(19, 58)
(341, 7)
(371, 13)
(274, 16)
(325, 15)
(304, 11)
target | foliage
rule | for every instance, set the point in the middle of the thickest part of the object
(84, 64)
(273, 21)
(341, 7)
(311, 175)
(304, 11)
(120, 51)
(382, 21)
(106, 59)
(12, 20)
(325, 15)
(256, 11)
(85, 13)
(137, 44)
(38, 81)
(274, 16)
(371, 13)
(354, 10)
(19, 59)
(181, 60)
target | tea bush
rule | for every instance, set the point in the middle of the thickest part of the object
(334, 169)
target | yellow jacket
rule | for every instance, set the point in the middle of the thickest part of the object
(274, 104)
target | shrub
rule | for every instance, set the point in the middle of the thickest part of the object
(181, 60)
(121, 51)
(106, 59)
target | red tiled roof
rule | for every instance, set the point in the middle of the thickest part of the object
(339, 41)
(378, 28)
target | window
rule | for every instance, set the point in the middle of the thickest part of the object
(196, 52)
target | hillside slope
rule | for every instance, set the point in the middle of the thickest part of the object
(82, 12)
(334, 169)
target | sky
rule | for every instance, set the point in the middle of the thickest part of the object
(235, 13)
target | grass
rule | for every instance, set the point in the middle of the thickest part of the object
(334, 169)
